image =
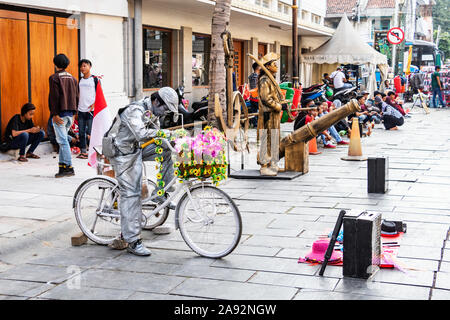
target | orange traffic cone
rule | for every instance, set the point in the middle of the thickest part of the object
(354, 148)
(313, 146)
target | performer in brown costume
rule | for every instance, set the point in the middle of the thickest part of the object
(270, 107)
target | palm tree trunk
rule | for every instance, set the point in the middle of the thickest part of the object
(217, 74)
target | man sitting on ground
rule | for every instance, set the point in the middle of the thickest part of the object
(390, 99)
(392, 118)
(325, 136)
(324, 109)
(21, 132)
(300, 120)
(363, 116)
(342, 125)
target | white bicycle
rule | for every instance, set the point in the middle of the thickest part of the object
(208, 219)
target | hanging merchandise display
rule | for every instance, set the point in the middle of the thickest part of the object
(445, 81)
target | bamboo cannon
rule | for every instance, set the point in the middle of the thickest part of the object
(295, 146)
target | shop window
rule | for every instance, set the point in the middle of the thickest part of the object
(381, 24)
(157, 58)
(263, 3)
(287, 9)
(304, 14)
(201, 46)
(316, 19)
(283, 8)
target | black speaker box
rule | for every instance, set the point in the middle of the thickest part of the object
(362, 244)
(377, 175)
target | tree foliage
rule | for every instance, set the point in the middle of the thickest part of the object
(441, 17)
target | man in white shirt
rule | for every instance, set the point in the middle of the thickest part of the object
(339, 79)
(87, 84)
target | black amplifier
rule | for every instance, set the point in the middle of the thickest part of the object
(377, 175)
(362, 244)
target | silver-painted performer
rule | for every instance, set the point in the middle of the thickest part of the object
(139, 122)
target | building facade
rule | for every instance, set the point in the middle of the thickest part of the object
(138, 46)
(176, 46)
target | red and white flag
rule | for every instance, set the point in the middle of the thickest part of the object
(100, 124)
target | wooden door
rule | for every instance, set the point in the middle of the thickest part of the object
(13, 64)
(262, 50)
(41, 64)
(67, 43)
(239, 61)
(24, 78)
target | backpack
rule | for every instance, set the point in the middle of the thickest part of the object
(109, 148)
(96, 82)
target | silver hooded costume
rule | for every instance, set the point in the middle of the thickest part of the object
(138, 125)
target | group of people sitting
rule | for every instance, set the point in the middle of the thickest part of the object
(385, 108)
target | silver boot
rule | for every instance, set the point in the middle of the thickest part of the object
(138, 248)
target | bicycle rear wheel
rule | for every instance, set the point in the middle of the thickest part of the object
(96, 207)
(148, 206)
(209, 221)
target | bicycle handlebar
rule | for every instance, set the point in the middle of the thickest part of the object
(169, 145)
(145, 144)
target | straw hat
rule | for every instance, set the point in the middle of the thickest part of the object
(271, 56)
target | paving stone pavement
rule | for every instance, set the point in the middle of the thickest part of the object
(281, 219)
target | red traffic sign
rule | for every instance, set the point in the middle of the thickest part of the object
(395, 35)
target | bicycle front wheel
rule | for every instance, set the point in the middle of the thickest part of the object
(96, 206)
(209, 221)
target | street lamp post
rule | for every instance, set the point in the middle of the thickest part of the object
(295, 78)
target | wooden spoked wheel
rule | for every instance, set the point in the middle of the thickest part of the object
(237, 134)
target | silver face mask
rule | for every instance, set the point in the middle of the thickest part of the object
(160, 110)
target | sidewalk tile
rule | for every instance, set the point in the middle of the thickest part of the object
(388, 290)
(232, 290)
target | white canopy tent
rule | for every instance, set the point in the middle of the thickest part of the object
(345, 47)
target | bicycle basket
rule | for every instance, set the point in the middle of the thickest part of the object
(202, 156)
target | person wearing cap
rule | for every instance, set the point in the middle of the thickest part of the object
(392, 118)
(21, 132)
(271, 104)
(139, 122)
